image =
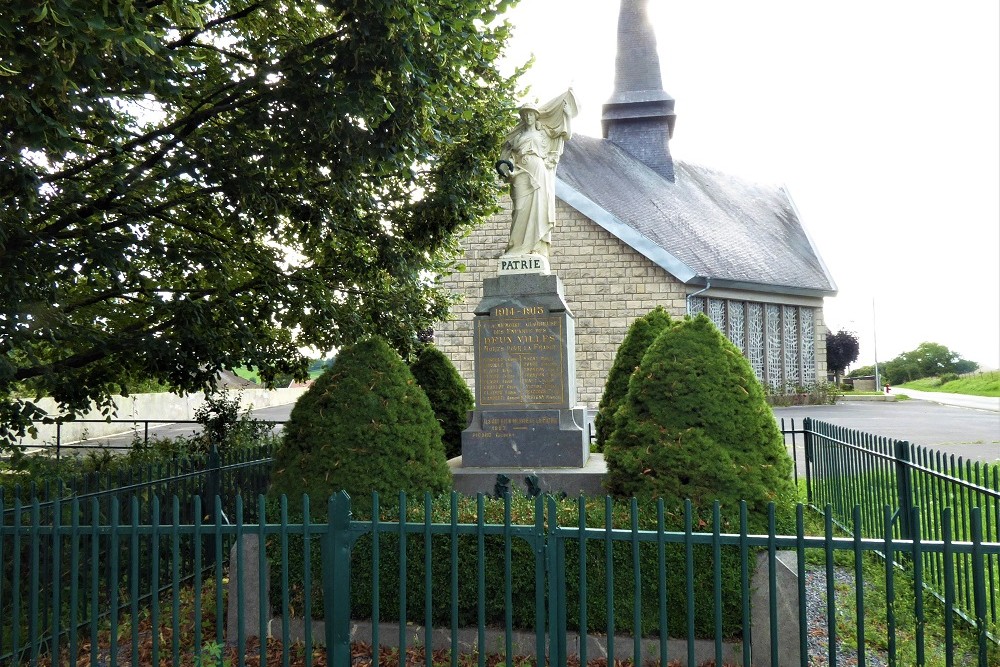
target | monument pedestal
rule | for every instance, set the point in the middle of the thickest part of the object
(526, 422)
(587, 480)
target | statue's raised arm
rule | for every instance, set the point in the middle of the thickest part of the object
(530, 155)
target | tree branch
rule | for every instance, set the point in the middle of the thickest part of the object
(190, 37)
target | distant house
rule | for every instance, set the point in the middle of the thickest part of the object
(636, 229)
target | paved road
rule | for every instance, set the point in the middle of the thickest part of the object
(973, 434)
(977, 402)
(970, 432)
(278, 413)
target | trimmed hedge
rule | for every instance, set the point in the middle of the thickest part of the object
(365, 425)
(523, 571)
(637, 340)
(449, 395)
(696, 424)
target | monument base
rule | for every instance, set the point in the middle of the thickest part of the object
(526, 438)
(526, 423)
(587, 480)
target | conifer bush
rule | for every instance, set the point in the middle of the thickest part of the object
(449, 395)
(365, 425)
(637, 340)
(695, 424)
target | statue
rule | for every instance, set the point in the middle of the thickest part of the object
(530, 156)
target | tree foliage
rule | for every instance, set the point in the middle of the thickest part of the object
(191, 185)
(639, 337)
(696, 425)
(842, 350)
(927, 360)
(365, 425)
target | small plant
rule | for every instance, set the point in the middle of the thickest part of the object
(211, 656)
(224, 426)
(813, 394)
(946, 378)
(98, 460)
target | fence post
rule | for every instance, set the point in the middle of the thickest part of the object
(807, 440)
(904, 487)
(213, 489)
(337, 580)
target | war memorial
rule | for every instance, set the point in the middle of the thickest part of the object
(527, 426)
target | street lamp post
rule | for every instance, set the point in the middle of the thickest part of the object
(875, 346)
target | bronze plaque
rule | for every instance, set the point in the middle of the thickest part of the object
(520, 358)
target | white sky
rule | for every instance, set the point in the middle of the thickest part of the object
(882, 117)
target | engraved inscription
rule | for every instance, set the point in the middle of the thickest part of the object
(524, 264)
(520, 359)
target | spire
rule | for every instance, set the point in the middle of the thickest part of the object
(639, 117)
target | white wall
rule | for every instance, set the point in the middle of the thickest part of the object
(149, 406)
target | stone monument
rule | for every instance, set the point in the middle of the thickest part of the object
(526, 426)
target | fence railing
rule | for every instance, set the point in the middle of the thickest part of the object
(234, 472)
(126, 495)
(158, 599)
(847, 469)
(139, 428)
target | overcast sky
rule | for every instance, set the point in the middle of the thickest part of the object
(882, 118)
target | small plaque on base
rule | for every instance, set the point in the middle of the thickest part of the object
(514, 264)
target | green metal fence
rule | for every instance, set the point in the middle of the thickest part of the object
(204, 491)
(155, 599)
(229, 474)
(848, 469)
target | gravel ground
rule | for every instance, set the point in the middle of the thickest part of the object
(819, 638)
(819, 635)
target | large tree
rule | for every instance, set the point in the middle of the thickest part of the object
(190, 185)
(927, 360)
(842, 350)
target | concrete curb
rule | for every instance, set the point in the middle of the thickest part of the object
(523, 642)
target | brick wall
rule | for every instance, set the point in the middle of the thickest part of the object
(607, 283)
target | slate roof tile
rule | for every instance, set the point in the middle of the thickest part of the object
(706, 224)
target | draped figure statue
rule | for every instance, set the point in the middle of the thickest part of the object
(531, 153)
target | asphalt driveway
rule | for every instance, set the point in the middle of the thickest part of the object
(972, 433)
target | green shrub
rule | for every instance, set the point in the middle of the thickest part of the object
(640, 336)
(946, 378)
(449, 395)
(522, 569)
(696, 424)
(364, 425)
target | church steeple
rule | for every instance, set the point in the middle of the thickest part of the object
(639, 117)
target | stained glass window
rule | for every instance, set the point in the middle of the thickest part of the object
(807, 316)
(717, 313)
(791, 336)
(772, 321)
(736, 325)
(755, 334)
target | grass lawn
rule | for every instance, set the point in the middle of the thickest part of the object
(980, 384)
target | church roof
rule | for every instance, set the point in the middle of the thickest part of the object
(703, 226)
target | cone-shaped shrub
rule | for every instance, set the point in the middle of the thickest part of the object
(637, 340)
(365, 425)
(449, 395)
(695, 424)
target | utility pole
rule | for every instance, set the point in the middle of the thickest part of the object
(875, 346)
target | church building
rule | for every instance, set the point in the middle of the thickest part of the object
(636, 229)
